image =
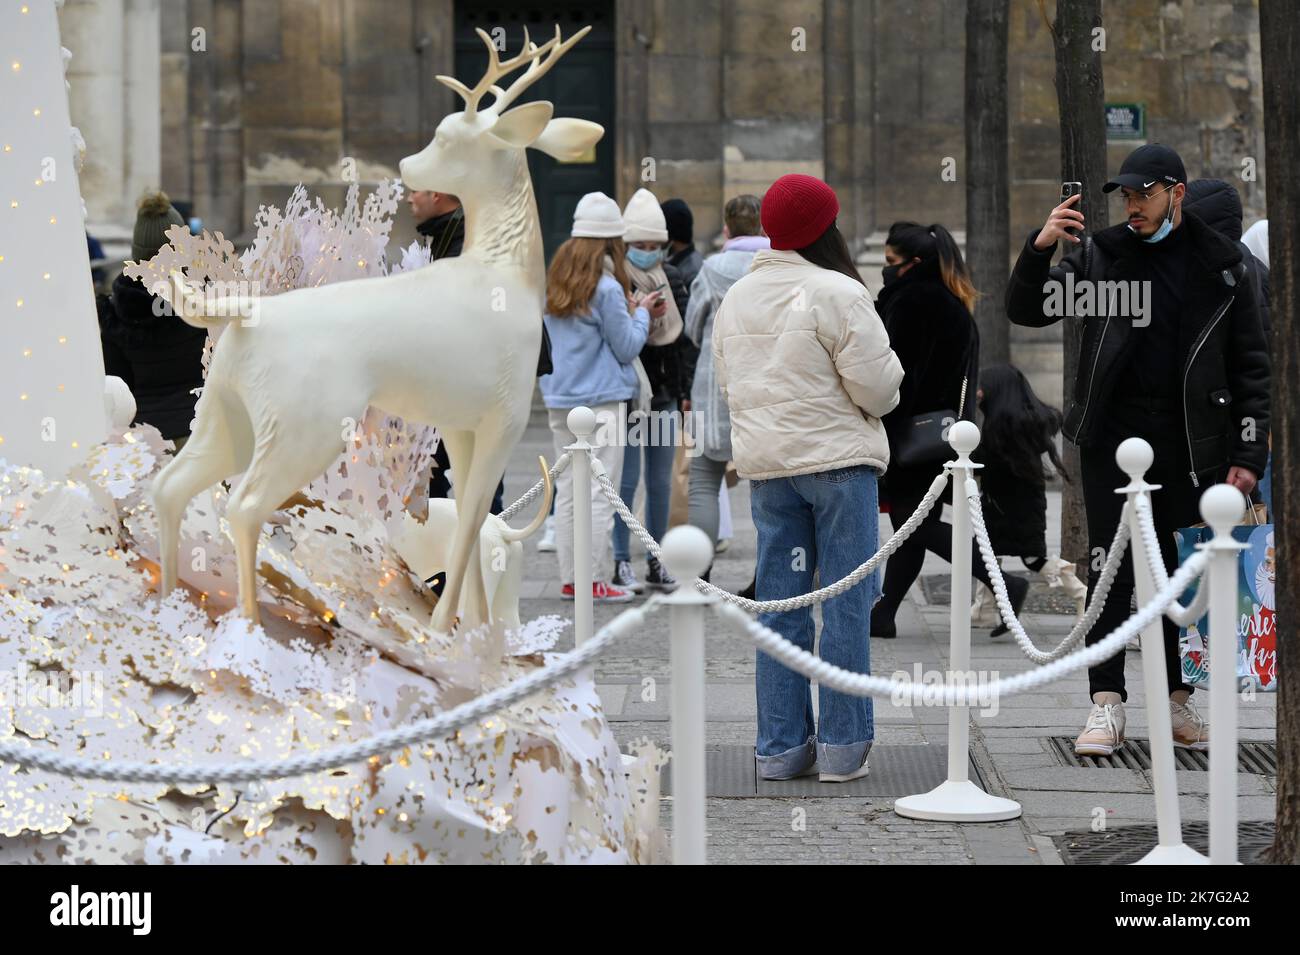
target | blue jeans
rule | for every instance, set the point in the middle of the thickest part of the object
(826, 522)
(660, 445)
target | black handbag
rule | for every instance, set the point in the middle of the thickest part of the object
(925, 440)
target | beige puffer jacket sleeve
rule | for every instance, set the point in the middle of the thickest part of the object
(869, 369)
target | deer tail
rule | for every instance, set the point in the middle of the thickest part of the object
(510, 534)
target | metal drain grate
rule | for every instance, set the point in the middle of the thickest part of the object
(895, 771)
(1252, 757)
(1128, 844)
(938, 590)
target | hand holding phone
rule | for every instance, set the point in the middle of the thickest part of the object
(1065, 221)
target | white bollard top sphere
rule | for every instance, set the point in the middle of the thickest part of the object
(687, 552)
(1134, 457)
(582, 422)
(1223, 507)
(964, 437)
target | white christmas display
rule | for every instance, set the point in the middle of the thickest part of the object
(51, 366)
(459, 344)
(93, 661)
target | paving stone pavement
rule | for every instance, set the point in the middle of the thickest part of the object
(1010, 748)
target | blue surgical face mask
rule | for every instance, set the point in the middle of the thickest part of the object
(643, 259)
(1166, 227)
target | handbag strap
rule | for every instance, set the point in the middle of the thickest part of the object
(969, 363)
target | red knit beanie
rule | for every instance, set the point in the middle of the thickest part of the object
(797, 209)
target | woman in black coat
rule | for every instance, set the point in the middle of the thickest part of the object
(145, 344)
(926, 307)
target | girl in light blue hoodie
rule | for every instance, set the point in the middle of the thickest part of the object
(595, 338)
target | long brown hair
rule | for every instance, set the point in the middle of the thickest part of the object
(914, 241)
(576, 269)
(830, 251)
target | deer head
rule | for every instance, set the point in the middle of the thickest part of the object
(475, 150)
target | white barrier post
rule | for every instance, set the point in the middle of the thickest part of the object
(687, 553)
(1222, 507)
(958, 799)
(1134, 457)
(582, 422)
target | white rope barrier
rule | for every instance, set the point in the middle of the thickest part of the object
(689, 554)
(1182, 616)
(953, 693)
(531, 494)
(384, 742)
(790, 603)
(1085, 623)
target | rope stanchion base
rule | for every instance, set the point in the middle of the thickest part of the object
(1181, 854)
(957, 801)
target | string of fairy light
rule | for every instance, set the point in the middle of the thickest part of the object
(7, 149)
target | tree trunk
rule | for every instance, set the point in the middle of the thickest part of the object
(987, 188)
(1279, 32)
(1080, 96)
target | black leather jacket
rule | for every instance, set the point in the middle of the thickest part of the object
(1223, 351)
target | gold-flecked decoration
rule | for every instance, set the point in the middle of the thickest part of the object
(92, 661)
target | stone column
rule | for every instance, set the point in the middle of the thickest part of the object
(93, 31)
(142, 100)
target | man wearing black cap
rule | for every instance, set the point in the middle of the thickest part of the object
(1188, 372)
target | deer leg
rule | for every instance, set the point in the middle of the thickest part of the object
(276, 472)
(460, 452)
(213, 452)
(491, 452)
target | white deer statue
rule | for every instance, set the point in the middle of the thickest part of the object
(453, 344)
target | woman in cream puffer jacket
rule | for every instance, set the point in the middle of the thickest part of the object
(805, 365)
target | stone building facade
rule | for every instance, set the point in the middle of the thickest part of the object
(709, 98)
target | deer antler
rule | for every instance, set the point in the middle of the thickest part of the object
(539, 60)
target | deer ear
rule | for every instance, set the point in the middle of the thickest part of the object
(523, 124)
(568, 139)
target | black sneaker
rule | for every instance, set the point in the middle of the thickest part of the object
(625, 577)
(1018, 591)
(658, 578)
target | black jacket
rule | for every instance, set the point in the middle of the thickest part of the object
(446, 233)
(689, 262)
(155, 352)
(935, 340)
(1015, 509)
(1222, 350)
(1218, 205)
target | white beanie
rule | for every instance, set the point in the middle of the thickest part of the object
(645, 220)
(597, 217)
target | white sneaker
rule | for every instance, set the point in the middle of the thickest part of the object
(547, 542)
(1191, 731)
(1104, 732)
(844, 777)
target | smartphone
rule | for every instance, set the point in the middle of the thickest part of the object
(1069, 189)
